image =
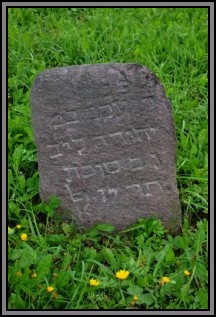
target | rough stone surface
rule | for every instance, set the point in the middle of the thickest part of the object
(106, 144)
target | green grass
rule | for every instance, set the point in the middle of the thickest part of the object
(172, 43)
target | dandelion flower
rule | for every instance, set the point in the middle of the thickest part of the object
(34, 275)
(18, 226)
(94, 282)
(135, 298)
(19, 274)
(9, 229)
(165, 279)
(24, 237)
(186, 272)
(50, 289)
(122, 274)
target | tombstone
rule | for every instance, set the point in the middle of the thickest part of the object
(106, 144)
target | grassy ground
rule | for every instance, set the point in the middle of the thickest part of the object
(51, 265)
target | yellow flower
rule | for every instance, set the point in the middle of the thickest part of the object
(165, 280)
(19, 274)
(24, 237)
(122, 274)
(50, 289)
(186, 272)
(10, 230)
(94, 282)
(34, 275)
(18, 226)
(135, 298)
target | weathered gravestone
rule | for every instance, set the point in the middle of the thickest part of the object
(106, 144)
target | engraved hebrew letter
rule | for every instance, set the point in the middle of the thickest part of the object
(79, 143)
(112, 167)
(107, 192)
(113, 191)
(152, 187)
(150, 133)
(102, 191)
(154, 161)
(129, 138)
(65, 124)
(87, 171)
(116, 108)
(99, 141)
(100, 168)
(136, 164)
(106, 112)
(66, 144)
(136, 188)
(143, 134)
(72, 116)
(56, 121)
(64, 120)
(75, 197)
(72, 173)
(81, 199)
(116, 137)
(56, 146)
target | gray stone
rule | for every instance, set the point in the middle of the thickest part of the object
(106, 144)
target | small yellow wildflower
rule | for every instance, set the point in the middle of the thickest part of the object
(18, 226)
(19, 274)
(135, 298)
(34, 275)
(10, 230)
(122, 274)
(50, 289)
(165, 279)
(24, 237)
(94, 282)
(186, 272)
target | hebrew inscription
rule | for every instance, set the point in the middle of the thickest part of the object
(113, 167)
(106, 144)
(121, 138)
